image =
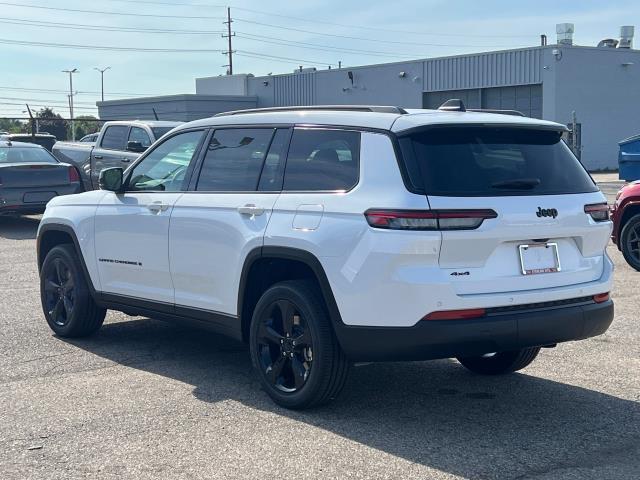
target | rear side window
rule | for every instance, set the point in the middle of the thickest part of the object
(234, 159)
(322, 160)
(138, 134)
(114, 137)
(488, 161)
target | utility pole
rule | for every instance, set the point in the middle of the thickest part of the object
(102, 70)
(228, 36)
(73, 126)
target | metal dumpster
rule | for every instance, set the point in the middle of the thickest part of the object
(629, 158)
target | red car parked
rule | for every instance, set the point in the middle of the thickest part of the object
(626, 223)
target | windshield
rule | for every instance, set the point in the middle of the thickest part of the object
(492, 161)
(25, 155)
(160, 131)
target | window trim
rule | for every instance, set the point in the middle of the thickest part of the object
(126, 137)
(188, 174)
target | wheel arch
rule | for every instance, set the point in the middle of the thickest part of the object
(629, 210)
(265, 266)
(51, 235)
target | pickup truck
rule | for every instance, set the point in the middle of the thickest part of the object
(118, 144)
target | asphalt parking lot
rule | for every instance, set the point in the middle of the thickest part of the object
(145, 399)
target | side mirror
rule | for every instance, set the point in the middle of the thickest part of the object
(136, 147)
(111, 179)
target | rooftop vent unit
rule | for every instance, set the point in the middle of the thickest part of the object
(608, 43)
(565, 33)
(626, 36)
(300, 69)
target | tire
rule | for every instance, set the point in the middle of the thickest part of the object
(307, 367)
(630, 242)
(64, 293)
(501, 362)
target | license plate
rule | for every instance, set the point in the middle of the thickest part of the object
(539, 258)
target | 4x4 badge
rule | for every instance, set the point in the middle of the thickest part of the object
(547, 212)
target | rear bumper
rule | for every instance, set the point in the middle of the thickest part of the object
(12, 200)
(24, 209)
(495, 332)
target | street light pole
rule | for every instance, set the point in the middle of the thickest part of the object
(73, 126)
(102, 70)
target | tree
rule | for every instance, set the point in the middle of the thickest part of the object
(85, 125)
(13, 126)
(55, 124)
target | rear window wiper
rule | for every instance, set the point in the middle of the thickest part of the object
(517, 183)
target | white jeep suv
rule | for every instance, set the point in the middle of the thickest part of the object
(324, 236)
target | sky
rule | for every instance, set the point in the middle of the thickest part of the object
(159, 47)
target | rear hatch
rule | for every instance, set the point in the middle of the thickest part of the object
(541, 221)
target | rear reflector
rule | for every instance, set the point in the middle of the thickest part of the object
(456, 314)
(601, 297)
(598, 211)
(427, 219)
(74, 176)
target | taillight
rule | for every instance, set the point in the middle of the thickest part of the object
(598, 211)
(456, 314)
(74, 176)
(601, 297)
(428, 219)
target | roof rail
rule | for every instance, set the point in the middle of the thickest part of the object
(343, 108)
(456, 105)
(515, 113)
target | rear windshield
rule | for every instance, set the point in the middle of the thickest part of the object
(25, 155)
(160, 131)
(488, 161)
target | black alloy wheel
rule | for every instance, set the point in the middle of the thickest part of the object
(294, 350)
(285, 347)
(67, 303)
(59, 291)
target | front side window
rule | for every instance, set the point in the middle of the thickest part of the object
(138, 134)
(322, 160)
(164, 168)
(114, 137)
(234, 159)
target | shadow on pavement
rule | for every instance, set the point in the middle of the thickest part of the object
(19, 228)
(431, 413)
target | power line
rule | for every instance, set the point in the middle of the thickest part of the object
(379, 29)
(364, 38)
(100, 12)
(35, 100)
(324, 22)
(314, 46)
(258, 55)
(50, 90)
(48, 104)
(104, 47)
(106, 28)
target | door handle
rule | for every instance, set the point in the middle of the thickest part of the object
(98, 157)
(250, 209)
(125, 160)
(157, 207)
